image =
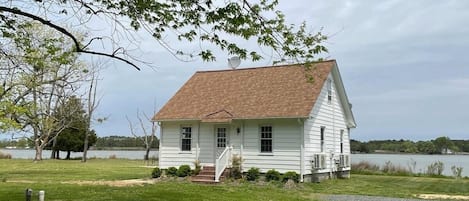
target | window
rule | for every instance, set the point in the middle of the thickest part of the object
(186, 138)
(266, 139)
(341, 141)
(323, 130)
(221, 137)
(329, 91)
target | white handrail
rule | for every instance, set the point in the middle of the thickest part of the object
(222, 162)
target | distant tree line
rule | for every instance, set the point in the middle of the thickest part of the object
(440, 145)
(123, 141)
(72, 142)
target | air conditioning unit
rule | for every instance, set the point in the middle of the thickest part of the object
(319, 161)
(344, 161)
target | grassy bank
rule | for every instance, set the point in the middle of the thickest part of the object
(72, 180)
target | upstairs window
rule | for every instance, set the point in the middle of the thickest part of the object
(266, 139)
(323, 131)
(186, 138)
(329, 91)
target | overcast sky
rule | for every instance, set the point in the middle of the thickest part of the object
(404, 65)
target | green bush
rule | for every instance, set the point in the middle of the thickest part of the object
(290, 175)
(184, 171)
(272, 175)
(156, 173)
(253, 174)
(172, 171)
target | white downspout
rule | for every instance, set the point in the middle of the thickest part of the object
(198, 141)
(241, 147)
(161, 143)
(302, 149)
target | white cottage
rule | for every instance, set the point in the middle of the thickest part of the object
(287, 118)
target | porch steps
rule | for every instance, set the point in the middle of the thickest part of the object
(207, 175)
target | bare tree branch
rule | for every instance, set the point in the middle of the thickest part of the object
(62, 30)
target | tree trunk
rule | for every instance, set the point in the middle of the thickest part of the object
(57, 154)
(147, 153)
(68, 155)
(54, 150)
(38, 149)
(85, 146)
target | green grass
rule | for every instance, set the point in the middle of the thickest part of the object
(53, 175)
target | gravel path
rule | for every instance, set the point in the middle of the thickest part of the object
(363, 198)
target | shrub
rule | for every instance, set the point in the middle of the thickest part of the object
(290, 175)
(457, 171)
(172, 171)
(197, 167)
(364, 167)
(435, 169)
(392, 169)
(156, 173)
(184, 171)
(5, 155)
(272, 175)
(236, 167)
(253, 174)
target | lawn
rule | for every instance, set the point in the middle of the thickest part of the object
(61, 181)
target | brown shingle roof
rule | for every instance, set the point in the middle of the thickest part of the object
(250, 93)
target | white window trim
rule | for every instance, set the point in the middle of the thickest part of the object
(260, 140)
(322, 139)
(181, 138)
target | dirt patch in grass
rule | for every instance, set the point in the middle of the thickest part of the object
(442, 196)
(116, 183)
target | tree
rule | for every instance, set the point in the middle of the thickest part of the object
(426, 147)
(212, 24)
(442, 144)
(40, 77)
(148, 137)
(91, 106)
(72, 137)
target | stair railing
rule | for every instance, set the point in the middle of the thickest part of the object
(222, 162)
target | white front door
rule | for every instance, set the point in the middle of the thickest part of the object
(221, 140)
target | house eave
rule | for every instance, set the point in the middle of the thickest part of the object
(242, 118)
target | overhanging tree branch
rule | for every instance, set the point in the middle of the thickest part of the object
(62, 30)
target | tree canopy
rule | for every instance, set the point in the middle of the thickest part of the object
(212, 24)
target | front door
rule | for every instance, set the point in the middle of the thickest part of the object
(221, 139)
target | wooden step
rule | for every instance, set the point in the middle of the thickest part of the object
(208, 168)
(205, 177)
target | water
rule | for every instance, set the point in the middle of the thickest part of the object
(421, 161)
(29, 154)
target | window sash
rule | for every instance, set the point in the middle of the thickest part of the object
(266, 139)
(186, 138)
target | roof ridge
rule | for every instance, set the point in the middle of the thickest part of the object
(262, 67)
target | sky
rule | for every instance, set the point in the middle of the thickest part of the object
(405, 66)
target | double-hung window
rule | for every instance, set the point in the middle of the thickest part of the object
(341, 141)
(323, 131)
(186, 138)
(266, 139)
(329, 91)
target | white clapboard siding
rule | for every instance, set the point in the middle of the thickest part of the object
(170, 150)
(285, 154)
(331, 116)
